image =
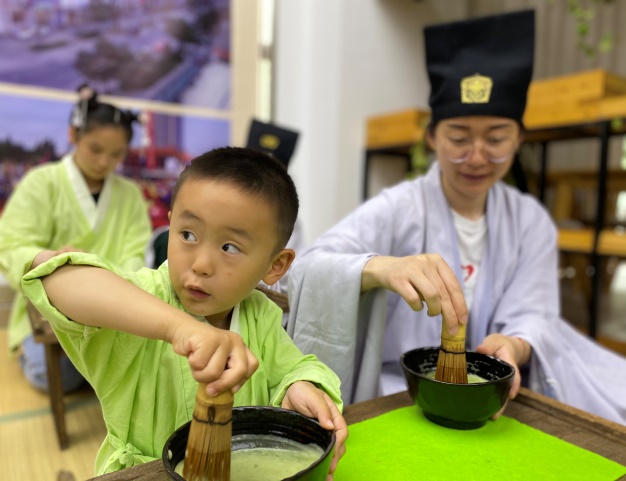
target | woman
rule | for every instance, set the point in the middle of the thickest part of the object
(459, 240)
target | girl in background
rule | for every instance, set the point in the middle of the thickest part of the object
(76, 204)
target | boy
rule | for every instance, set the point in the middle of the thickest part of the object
(233, 211)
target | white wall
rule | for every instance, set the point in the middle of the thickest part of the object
(338, 62)
(244, 53)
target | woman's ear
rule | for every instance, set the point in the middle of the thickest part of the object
(430, 139)
(279, 266)
(520, 139)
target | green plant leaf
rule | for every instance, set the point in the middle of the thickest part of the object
(606, 43)
(583, 29)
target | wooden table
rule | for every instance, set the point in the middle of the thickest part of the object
(577, 427)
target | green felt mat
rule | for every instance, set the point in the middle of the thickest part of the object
(404, 445)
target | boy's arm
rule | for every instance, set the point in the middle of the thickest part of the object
(97, 297)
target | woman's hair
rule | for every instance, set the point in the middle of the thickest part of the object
(254, 173)
(89, 114)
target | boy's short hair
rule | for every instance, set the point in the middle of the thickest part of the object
(255, 173)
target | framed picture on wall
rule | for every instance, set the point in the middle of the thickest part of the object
(164, 50)
(172, 58)
(34, 130)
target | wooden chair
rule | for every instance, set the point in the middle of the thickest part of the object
(281, 300)
(43, 333)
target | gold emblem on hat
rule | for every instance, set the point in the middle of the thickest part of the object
(476, 89)
(269, 141)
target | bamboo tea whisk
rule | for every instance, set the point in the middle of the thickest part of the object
(451, 363)
(208, 447)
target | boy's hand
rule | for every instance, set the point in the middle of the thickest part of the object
(305, 398)
(513, 350)
(44, 256)
(216, 357)
(418, 279)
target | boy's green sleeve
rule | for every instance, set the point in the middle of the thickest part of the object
(71, 334)
(32, 285)
(88, 347)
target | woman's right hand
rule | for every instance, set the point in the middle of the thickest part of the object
(418, 279)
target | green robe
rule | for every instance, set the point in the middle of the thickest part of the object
(51, 208)
(147, 390)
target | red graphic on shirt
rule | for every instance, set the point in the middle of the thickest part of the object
(469, 269)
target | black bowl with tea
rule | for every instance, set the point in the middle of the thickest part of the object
(268, 444)
(457, 406)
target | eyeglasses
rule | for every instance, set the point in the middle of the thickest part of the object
(496, 149)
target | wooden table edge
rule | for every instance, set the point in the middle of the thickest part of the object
(556, 408)
(372, 408)
(375, 407)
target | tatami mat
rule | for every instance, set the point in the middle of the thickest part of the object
(29, 449)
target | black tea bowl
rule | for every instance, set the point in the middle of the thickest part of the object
(249, 421)
(457, 406)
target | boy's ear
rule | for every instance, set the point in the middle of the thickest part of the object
(280, 264)
(72, 135)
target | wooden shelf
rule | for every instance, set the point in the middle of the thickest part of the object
(610, 242)
(577, 241)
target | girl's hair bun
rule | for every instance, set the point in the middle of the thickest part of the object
(87, 100)
(131, 116)
(89, 112)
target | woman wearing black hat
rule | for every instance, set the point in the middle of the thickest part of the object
(458, 239)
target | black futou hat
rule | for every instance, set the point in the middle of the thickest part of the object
(278, 141)
(481, 66)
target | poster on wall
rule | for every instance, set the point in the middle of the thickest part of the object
(165, 50)
(35, 130)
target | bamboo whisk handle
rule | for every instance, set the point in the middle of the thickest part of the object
(207, 457)
(451, 363)
(459, 336)
(222, 399)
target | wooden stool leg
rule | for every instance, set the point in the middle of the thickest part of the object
(55, 386)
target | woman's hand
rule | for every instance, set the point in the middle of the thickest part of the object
(305, 398)
(420, 278)
(513, 350)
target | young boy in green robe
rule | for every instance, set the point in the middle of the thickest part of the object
(233, 211)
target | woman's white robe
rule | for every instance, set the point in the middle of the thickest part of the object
(362, 336)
